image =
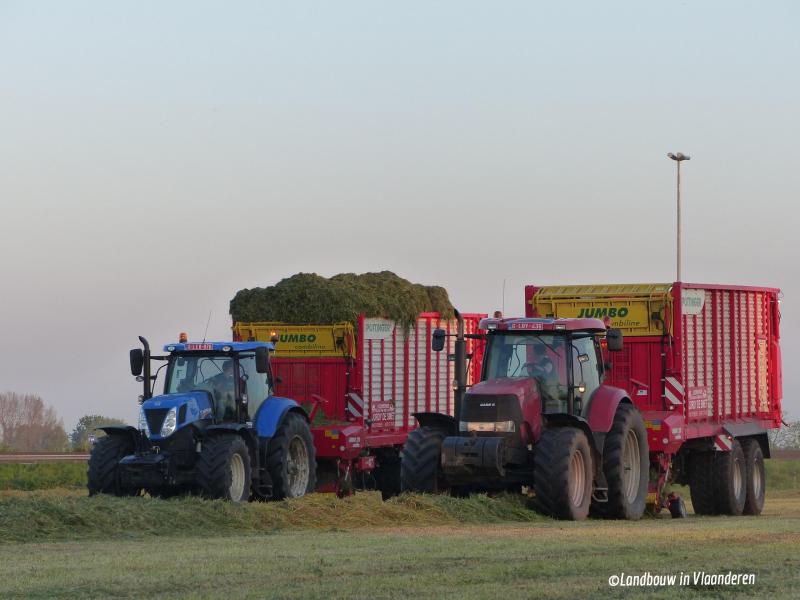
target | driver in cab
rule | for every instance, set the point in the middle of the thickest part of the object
(544, 371)
(223, 389)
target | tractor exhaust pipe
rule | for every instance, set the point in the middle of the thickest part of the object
(460, 367)
(147, 392)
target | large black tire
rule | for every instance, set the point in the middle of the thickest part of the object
(563, 473)
(223, 468)
(420, 463)
(291, 459)
(701, 483)
(756, 477)
(387, 474)
(730, 476)
(103, 475)
(626, 465)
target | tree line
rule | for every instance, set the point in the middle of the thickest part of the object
(27, 424)
(787, 437)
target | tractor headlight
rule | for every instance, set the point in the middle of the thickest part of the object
(170, 421)
(490, 427)
(143, 423)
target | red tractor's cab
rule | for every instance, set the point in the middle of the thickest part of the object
(561, 360)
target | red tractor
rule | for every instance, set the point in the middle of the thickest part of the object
(541, 417)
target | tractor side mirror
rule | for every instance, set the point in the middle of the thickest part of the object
(137, 361)
(437, 340)
(262, 360)
(614, 340)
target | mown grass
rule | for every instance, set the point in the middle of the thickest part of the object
(439, 559)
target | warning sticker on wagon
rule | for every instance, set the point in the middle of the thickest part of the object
(383, 414)
(698, 402)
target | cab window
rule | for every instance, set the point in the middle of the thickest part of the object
(541, 357)
(258, 388)
(585, 372)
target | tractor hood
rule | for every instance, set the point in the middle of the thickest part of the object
(521, 387)
(507, 398)
(188, 408)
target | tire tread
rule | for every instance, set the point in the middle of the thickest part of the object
(552, 457)
(617, 507)
(102, 474)
(213, 476)
(419, 466)
(276, 453)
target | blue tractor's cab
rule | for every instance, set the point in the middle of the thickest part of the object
(217, 429)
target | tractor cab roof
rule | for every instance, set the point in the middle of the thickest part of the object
(538, 324)
(217, 346)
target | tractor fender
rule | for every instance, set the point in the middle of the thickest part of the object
(271, 414)
(441, 421)
(221, 428)
(603, 406)
(124, 430)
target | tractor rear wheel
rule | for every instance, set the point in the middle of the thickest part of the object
(626, 465)
(756, 480)
(103, 475)
(420, 460)
(563, 473)
(730, 476)
(701, 482)
(223, 468)
(291, 459)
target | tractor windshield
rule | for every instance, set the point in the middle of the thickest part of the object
(213, 374)
(539, 356)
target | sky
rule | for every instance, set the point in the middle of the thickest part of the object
(157, 157)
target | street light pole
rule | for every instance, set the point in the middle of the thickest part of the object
(679, 158)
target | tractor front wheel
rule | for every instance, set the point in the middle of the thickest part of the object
(419, 464)
(223, 468)
(563, 473)
(103, 474)
(291, 459)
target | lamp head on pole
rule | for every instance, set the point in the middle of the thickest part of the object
(679, 156)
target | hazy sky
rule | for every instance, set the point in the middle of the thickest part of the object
(156, 157)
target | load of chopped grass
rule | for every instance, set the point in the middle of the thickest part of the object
(43, 516)
(308, 298)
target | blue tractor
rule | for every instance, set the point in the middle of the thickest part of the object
(217, 430)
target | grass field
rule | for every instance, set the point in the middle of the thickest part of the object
(41, 476)
(61, 544)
